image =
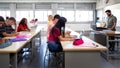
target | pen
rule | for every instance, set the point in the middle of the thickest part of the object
(95, 44)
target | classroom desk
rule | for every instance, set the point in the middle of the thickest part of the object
(109, 34)
(10, 53)
(86, 55)
(102, 37)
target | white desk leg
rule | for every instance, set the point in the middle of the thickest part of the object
(4, 60)
(82, 59)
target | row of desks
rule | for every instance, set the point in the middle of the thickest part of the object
(15, 47)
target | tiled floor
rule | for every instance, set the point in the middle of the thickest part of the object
(38, 59)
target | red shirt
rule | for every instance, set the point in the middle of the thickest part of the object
(20, 27)
(55, 35)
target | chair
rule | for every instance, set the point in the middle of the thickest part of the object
(55, 58)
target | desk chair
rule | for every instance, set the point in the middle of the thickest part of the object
(53, 58)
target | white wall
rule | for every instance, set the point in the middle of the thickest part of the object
(101, 3)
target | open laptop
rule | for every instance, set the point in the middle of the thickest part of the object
(94, 27)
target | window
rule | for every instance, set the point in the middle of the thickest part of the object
(24, 14)
(99, 15)
(68, 14)
(4, 13)
(77, 16)
(42, 15)
(83, 16)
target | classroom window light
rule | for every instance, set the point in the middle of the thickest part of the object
(4, 13)
(42, 15)
(24, 14)
(68, 14)
(83, 16)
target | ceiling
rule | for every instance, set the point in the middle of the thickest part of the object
(27, 1)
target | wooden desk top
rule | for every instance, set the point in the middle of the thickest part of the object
(109, 32)
(16, 46)
(88, 44)
(113, 33)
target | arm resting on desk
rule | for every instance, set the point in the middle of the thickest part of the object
(66, 38)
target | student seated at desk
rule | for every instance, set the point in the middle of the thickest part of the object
(7, 29)
(2, 29)
(56, 35)
(3, 42)
(23, 25)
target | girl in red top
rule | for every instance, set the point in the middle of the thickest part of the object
(56, 35)
(23, 25)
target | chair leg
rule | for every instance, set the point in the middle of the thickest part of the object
(45, 57)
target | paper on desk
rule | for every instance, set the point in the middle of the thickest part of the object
(24, 36)
(88, 44)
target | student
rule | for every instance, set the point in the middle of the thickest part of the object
(55, 20)
(32, 21)
(55, 36)
(36, 22)
(7, 18)
(9, 30)
(2, 29)
(23, 25)
(50, 20)
(3, 41)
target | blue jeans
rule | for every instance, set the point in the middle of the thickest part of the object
(54, 47)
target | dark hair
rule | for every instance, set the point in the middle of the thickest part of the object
(57, 16)
(60, 25)
(108, 11)
(2, 19)
(12, 18)
(36, 19)
(7, 17)
(23, 21)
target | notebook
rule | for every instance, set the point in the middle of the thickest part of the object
(18, 39)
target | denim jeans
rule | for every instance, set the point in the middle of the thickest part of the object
(54, 47)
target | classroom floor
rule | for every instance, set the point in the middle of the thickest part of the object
(38, 60)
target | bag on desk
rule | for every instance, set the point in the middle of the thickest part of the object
(78, 42)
